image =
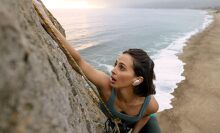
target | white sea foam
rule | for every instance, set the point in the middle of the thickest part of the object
(107, 67)
(168, 67)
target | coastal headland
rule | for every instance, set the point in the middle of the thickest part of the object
(196, 106)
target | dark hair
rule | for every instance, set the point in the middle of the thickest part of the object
(143, 66)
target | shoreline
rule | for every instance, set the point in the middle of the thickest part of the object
(174, 49)
(195, 103)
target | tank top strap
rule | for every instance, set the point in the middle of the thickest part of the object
(111, 99)
(144, 106)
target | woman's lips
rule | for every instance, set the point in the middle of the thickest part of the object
(113, 80)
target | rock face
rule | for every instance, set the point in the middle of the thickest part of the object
(39, 91)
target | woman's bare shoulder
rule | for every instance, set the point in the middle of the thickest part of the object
(153, 106)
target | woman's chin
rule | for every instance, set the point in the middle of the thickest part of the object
(112, 85)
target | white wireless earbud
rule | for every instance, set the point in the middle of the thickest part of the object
(136, 82)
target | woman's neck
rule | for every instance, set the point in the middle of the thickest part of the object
(126, 95)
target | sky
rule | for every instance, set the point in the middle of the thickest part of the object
(81, 4)
(130, 3)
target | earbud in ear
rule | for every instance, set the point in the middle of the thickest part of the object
(136, 82)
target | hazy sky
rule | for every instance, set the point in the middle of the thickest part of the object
(130, 3)
(142, 3)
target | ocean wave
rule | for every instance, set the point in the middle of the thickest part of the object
(169, 68)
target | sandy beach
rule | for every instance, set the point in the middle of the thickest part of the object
(196, 106)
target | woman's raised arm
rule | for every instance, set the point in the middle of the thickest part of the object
(98, 78)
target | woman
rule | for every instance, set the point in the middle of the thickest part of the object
(128, 92)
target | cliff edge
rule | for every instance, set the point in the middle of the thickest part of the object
(39, 91)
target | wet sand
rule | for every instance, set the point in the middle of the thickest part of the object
(196, 106)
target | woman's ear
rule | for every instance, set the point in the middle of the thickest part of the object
(138, 80)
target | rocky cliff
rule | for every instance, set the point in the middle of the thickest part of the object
(39, 91)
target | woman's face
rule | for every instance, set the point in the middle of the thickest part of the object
(123, 74)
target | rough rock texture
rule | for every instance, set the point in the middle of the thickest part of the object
(39, 91)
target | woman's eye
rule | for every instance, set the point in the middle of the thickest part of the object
(122, 67)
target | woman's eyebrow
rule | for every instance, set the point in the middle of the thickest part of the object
(121, 63)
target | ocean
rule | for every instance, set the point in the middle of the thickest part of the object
(100, 35)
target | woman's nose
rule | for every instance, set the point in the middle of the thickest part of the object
(114, 70)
